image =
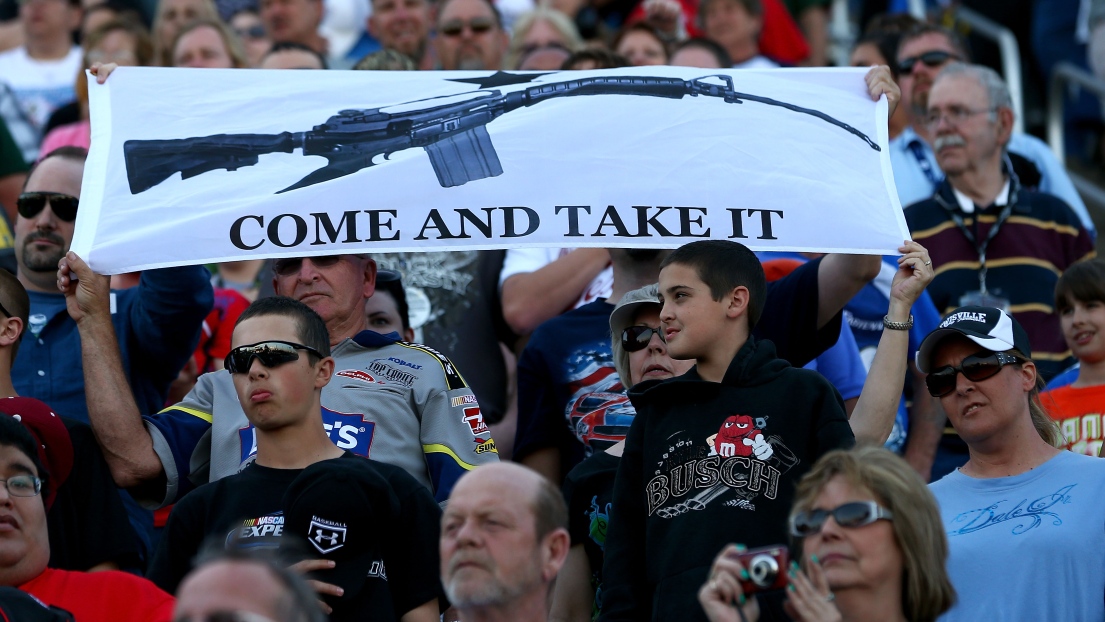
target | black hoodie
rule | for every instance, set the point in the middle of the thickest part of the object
(706, 464)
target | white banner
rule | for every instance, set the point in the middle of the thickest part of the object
(205, 165)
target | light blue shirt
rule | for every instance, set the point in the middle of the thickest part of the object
(914, 184)
(1027, 547)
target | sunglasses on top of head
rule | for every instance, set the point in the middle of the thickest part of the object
(637, 337)
(975, 367)
(269, 353)
(64, 206)
(849, 515)
(931, 60)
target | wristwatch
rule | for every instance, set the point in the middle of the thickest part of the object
(897, 325)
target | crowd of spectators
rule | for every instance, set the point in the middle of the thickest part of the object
(458, 435)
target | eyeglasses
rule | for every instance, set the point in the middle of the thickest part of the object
(976, 367)
(932, 60)
(850, 515)
(256, 31)
(637, 337)
(954, 115)
(270, 353)
(478, 26)
(291, 265)
(23, 485)
(29, 204)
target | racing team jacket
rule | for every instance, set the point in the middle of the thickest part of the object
(395, 402)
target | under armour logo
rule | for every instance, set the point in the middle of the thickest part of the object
(326, 536)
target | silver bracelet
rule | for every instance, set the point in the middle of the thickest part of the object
(897, 325)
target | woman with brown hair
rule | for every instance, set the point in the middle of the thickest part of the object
(871, 542)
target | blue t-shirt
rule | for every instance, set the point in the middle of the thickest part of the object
(841, 365)
(1027, 547)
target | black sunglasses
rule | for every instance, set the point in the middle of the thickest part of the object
(64, 206)
(270, 353)
(291, 265)
(637, 337)
(478, 26)
(931, 60)
(850, 515)
(256, 31)
(975, 367)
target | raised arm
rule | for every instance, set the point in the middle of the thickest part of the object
(112, 411)
(530, 298)
(873, 418)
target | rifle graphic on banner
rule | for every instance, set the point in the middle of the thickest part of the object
(454, 135)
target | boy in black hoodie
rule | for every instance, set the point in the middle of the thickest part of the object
(713, 456)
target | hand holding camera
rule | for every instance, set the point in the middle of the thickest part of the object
(738, 573)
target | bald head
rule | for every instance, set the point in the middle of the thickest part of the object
(231, 585)
(503, 539)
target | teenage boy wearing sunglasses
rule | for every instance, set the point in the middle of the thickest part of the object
(279, 364)
(470, 36)
(922, 53)
(712, 456)
(1023, 518)
(404, 403)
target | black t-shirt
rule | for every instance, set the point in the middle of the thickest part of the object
(589, 491)
(249, 505)
(88, 523)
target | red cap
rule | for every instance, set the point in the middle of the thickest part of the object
(55, 448)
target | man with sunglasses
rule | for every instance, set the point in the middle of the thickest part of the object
(278, 367)
(157, 323)
(992, 242)
(470, 36)
(1023, 518)
(922, 53)
(400, 403)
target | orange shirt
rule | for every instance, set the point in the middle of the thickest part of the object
(108, 596)
(1079, 414)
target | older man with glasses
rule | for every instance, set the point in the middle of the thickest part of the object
(470, 36)
(922, 54)
(993, 243)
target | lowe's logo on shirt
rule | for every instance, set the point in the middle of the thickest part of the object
(348, 431)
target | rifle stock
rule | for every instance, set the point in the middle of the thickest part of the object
(150, 162)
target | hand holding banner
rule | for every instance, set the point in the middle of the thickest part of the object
(406, 161)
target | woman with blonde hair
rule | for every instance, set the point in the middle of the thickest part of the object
(871, 544)
(208, 43)
(172, 15)
(543, 27)
(1023, 518)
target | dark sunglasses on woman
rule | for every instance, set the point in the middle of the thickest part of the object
(270, 353)
(850, 515)
(975, 367)
(64, 206)
(637, 337)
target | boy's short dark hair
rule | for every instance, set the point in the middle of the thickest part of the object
(709, 46)
(1082, 282)
(312, 330)
(13, 434)
(723, 266)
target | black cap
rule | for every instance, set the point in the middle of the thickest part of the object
(989, 327)
(342, 508)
